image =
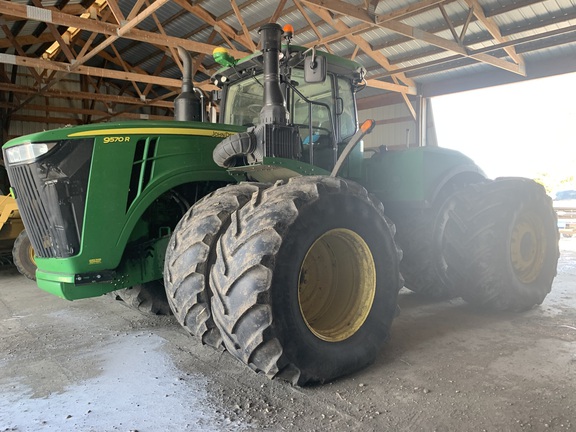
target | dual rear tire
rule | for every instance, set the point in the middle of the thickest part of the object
(303, 276)
(191, 253)
(306, 279)
(501, 238)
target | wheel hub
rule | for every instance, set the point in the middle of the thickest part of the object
(337, 285)
(528, 247)
(31, 255)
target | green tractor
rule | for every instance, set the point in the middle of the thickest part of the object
(272, 234)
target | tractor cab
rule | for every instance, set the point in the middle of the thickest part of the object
(317, 93)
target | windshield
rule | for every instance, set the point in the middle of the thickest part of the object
(243, 103)
(318, 113)
(332, 98)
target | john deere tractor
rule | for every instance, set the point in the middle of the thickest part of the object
(272, 234)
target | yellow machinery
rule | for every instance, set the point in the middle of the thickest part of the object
(14, 243)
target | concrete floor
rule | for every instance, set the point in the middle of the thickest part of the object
(94, 365)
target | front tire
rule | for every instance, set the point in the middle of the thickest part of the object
(190, 254)
(306, 280)
(148, 298)
(508, 248)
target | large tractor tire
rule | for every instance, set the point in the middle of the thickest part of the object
(23, 256)
(421, 237)
(190, 254)
(421, 263)
(504, 244)
(306, 280)
(148, 298)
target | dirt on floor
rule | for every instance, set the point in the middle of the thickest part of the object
(95, 365)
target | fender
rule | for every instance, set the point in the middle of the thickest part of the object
(414, 177)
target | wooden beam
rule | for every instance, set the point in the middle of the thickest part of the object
(394, 120)
(173, 51)
(65, 110)
(59, 18)
(220, 26)
(62, 94)
(494, 30)
(247, 37)
(511, 42)
(58, 37)
(123, 29)
(278, 11)
(71, 9)
(378, 101)
(339, 6)
(505, 32)
(126, 69)
(115, 9)
(455, 34)
(311, 24)
(364, 46)
(360, 42)
(20, 51)
(27, 40)
(157, 71)
(45, 119)
(89, 70)
(383, 85)
(414, 8)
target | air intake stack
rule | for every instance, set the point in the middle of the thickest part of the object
(274, 108)
(272, 137)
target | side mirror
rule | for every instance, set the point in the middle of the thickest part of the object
(314, 69)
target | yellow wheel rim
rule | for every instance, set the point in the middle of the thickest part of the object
(31, 255)
(528, 247)
(337, 285)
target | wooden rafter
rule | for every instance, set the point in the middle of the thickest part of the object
(20, 51)
(173, 50)
(78, 46)
(412, 9)
(341, 7)
(376, 56)
(88, 70)
(59, 18)
(127, 69)
(311, 24)
(23, 90)
(538, 26)
(134, 18)
(494, 30)
(278, 11)
(243, 25)
(220, 26)
(118, 15)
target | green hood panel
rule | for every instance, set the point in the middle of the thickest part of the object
(414, 176)
(130, 128)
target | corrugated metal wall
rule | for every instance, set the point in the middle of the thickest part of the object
(393, 126)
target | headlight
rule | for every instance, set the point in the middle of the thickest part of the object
(27, 152)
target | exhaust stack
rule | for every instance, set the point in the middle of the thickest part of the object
(187, 106)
